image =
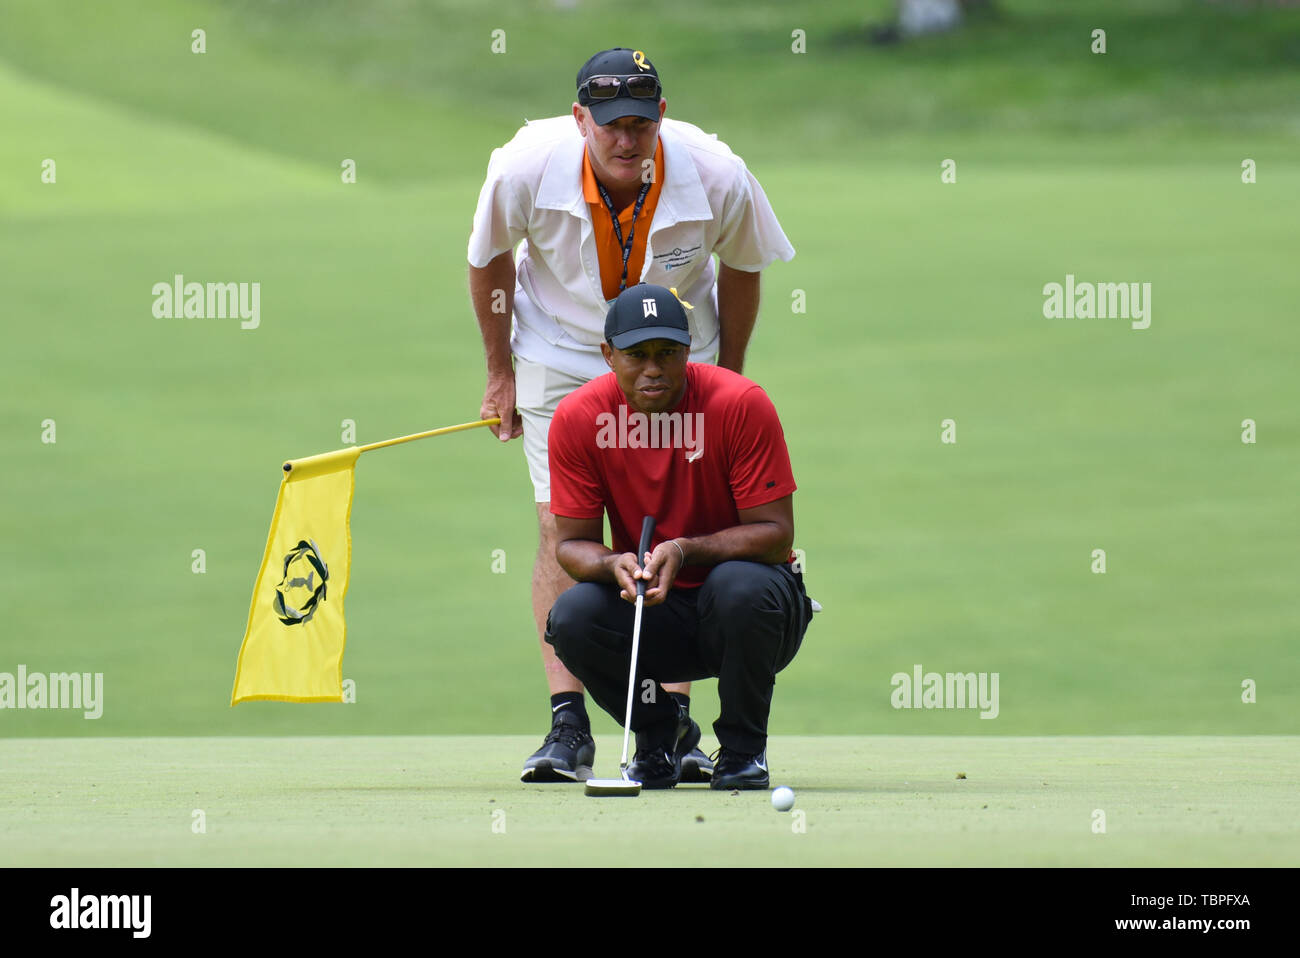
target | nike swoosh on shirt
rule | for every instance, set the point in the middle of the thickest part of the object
(695, 455)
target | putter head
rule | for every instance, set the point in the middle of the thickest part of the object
(611, 787)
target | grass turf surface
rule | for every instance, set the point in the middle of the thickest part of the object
(1073, 435)
(434, 801)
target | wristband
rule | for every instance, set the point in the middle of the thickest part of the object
(679, 549)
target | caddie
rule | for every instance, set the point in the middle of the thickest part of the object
(574, 210)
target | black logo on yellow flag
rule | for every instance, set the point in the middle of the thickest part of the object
(298, 594)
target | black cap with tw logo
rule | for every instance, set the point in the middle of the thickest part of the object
(625, 84)
(646, 312)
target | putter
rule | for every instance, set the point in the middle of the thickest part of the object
(610, 787)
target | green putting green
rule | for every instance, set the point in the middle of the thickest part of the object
(131, 543)
(455, 801)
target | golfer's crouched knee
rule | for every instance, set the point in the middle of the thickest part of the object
(570, 624)
(735, 590)
(761, 607)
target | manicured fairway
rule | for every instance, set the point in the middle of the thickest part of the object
(974, 556)
(431, 801)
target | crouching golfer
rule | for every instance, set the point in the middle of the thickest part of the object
(701, 449)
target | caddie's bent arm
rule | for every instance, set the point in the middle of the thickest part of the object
(492, 293)
(738, 295)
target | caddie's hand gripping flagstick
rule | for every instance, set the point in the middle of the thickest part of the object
(625, 786)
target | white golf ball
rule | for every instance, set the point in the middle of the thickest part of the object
(783, 799)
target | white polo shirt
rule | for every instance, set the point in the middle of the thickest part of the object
(708, 203)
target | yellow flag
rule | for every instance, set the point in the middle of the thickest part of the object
(293, 646)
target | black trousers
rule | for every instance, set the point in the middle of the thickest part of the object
(742, 626)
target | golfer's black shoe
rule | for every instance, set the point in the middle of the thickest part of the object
(738, 770)
(653, 767)
(694, 764)
(566, 754)
(657, 762)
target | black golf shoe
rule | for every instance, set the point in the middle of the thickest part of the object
(658, 759)
(566, 755)
(653, 767)
(694, 765)
(738, 770)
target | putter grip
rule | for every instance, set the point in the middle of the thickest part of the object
(647, 533)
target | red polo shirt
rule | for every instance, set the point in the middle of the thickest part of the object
(720, 450)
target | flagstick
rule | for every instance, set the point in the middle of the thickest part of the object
(432, 432)
(288, 466)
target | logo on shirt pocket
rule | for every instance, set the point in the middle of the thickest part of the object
(677, 257)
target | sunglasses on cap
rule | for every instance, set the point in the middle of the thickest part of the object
(609, 87)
